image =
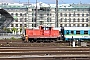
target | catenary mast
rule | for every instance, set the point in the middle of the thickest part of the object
(56, 20)
(36, 15)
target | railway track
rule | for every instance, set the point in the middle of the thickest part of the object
(21, 44)
(17, 43)
(17, 50)
(44, 53)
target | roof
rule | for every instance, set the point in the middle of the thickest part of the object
(5, 13)
(41, 4)
(73, 28)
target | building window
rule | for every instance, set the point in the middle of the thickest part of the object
(69, 15)
(69, 25)
(25, 19)
(74, 14)
(65, 25)
(16, 25)
(12, 25)
(82, 15)
(87, 20)
(48, 19)
(78, 25)
(82, 25)
(78, 15)
(61, 14)
(33, 14)
(47, 14)
(50, 14)
(41, 22)
(33, 25)
(78, 20)
(12, 14)
(60, 25)
(16, 14)
(61, 20)
(65, 15)
(21, 19)
(69, 19)
(20, 25)
(74, 20)
(41, 16)
(33, 20)
(87, 14)
(82, 19)
(74, 25)
(65, 20)
(86, 25)
(25, 25)
(16, 20)
(25, 14)
(20, 14)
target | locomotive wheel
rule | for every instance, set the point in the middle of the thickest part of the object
(32, 41)
(38, 41)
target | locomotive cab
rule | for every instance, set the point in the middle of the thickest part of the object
(42, 34)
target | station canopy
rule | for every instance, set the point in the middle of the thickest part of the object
(5, 13)
(6, 19)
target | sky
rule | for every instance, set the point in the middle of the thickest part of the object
(50, 1)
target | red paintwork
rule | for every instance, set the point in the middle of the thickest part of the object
(41, 33)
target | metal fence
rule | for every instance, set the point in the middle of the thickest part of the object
(9, 35)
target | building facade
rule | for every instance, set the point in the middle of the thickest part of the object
(69, 15)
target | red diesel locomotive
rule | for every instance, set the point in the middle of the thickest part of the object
(43, 34)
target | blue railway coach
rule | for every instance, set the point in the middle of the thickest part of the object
(82, 33)
(78, 33)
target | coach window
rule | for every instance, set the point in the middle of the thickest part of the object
(67, 32)
(72, 32)
(85, 32)
(77, 32)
